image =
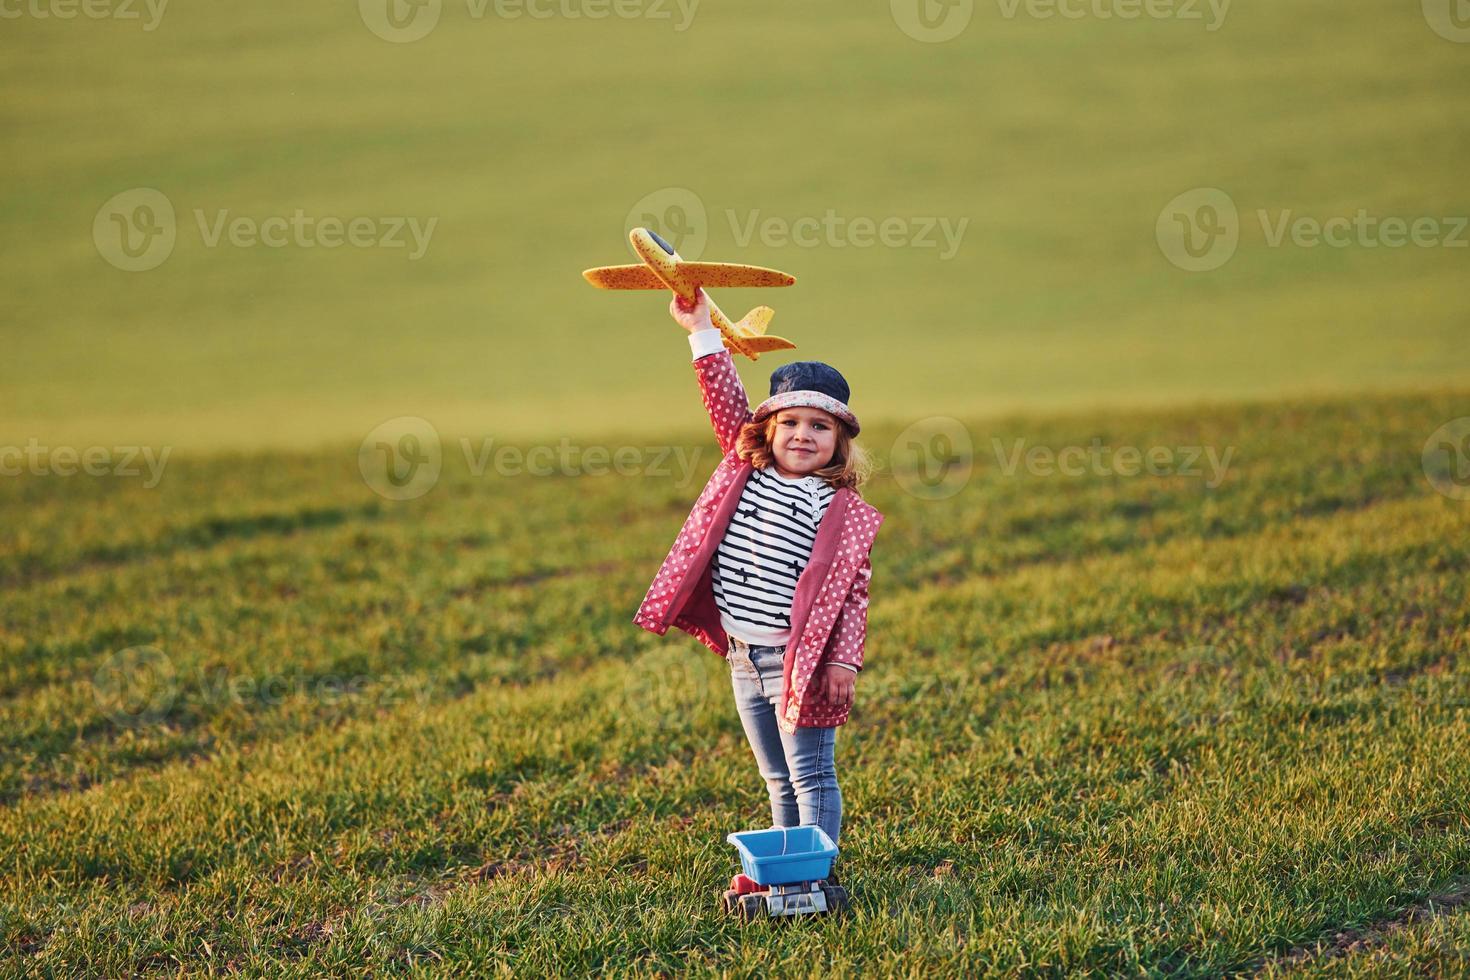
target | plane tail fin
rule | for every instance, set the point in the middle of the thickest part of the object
(759, 345)
(754, 340)
(755, 322)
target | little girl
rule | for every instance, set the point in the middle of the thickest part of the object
(771, 568)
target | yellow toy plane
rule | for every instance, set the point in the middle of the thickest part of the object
(663, 269)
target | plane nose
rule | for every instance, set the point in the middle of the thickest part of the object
(661, 243)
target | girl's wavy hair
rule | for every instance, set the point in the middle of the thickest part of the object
(851, 466)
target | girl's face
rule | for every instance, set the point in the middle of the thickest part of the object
(804, 441)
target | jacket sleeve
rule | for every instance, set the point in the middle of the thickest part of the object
(850, 629)
(720, 386)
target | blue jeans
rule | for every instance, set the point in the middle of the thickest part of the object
(799, 770)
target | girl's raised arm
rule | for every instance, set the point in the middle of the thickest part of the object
(719, 383)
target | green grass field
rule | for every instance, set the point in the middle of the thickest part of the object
(1110, 723)
(258, 717)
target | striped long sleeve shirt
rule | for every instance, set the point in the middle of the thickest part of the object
(764, 550)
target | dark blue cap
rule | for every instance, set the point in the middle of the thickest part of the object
(810, 376)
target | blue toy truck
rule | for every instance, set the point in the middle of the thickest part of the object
(784, 872)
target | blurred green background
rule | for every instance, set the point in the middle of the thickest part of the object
(267, 716)
(532, 141)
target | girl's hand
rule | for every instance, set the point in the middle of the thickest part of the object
(691, 318)
(837, 684)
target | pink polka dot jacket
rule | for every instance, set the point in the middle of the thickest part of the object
(829, 615)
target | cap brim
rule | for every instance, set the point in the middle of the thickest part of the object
(806, 399)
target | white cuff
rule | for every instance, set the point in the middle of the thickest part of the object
(835, 663)
(706, 341)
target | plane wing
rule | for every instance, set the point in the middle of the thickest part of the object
(728, 274)
(637, 276)
(720, 275)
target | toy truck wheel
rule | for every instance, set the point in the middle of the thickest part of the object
(836, 898)
(751, 907)
(728, 898)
